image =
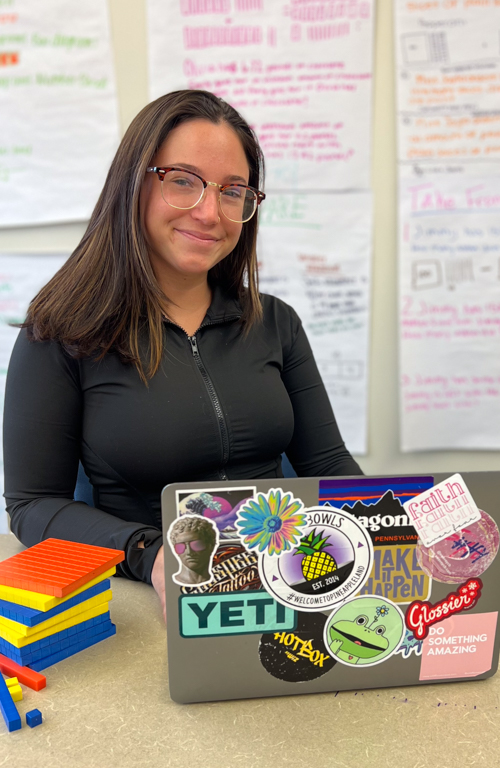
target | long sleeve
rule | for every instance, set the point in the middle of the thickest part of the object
(42, 439)
(316, 447)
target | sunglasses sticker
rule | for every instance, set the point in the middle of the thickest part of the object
(299, 655)
(331, 561)
(218, 504)
(234, 569)
(271, 523)
(365, 631)
(193, 541)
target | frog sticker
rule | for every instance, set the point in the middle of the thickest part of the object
(364, 631)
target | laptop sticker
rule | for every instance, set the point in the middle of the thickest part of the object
(421, 616)
(271, 522)
(237, 613)
(465, 554)
(460, 646)
(410, 645)
(365, 631)
(193, 541)
(378, 504)
(331, 561)
(298, 656)
(218, 504)
(233, 568)
(445, 509)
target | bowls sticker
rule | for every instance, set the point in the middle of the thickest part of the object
(365, 631)
(331, 562)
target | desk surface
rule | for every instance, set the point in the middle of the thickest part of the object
(109, 705)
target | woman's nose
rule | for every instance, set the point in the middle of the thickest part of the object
(207, 210)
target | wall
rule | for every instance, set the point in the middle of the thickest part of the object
(128, 22)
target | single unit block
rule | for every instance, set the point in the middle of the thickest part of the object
(56, 567)
(23, 598)
(28, 677)
(16, 692)
(10, 681)
(8, 708)
(33, 718)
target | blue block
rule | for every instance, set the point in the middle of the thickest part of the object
(33, 718)
(8, 708)
(31, 617)
(48, 661)
(41, 648)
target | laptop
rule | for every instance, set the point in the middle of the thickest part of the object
(308, 585)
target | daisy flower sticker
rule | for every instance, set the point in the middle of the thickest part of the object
(271, 522)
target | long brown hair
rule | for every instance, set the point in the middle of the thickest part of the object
(106, 295)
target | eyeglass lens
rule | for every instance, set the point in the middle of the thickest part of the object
(181, 189)
(195, 546)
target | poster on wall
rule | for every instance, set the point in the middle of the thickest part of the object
(21, 277)
(59, 127)
(300, 73)
(448, 75)
(448, 82)
(314, 253)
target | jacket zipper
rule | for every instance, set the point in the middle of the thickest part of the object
(215, 402)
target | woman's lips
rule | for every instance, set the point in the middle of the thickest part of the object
(198, 237)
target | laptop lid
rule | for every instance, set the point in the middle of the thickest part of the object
(305, 585)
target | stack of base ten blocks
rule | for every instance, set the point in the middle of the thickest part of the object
(54, 602)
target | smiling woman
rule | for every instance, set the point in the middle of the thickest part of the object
(151, 357)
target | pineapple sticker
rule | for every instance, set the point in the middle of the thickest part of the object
(316, 562)
(330, 560)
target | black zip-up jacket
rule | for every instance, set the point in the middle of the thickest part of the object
(222, 406)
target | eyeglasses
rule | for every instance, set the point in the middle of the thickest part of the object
(194, 546)
(184, 190)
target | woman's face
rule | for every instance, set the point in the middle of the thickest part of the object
(185, 244)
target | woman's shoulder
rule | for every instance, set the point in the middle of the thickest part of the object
(277, 310)
(40, 357)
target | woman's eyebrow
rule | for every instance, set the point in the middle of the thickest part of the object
(193, 168)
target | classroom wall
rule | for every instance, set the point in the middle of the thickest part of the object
(128, 26)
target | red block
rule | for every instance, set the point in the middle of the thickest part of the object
(56, 567)
(25, 675)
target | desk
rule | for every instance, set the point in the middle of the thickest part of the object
(109, 706)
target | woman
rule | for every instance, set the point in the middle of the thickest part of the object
(151, 357)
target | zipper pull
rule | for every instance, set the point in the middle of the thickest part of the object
(194, 345)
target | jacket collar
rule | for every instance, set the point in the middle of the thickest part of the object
(223, 307)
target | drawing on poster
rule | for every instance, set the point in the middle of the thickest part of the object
(271, 522)
(193, 541)
(298, 656)
(465, 554)
(218, 504)
(331, 562)
(364, 631)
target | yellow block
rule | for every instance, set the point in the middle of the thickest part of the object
(16, 692)
(21, 630)
(40, 602)
(10, 681)
(20, 642)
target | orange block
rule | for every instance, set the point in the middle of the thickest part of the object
(56, 567)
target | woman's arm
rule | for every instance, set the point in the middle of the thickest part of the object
(316, 447)
(42, 436)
